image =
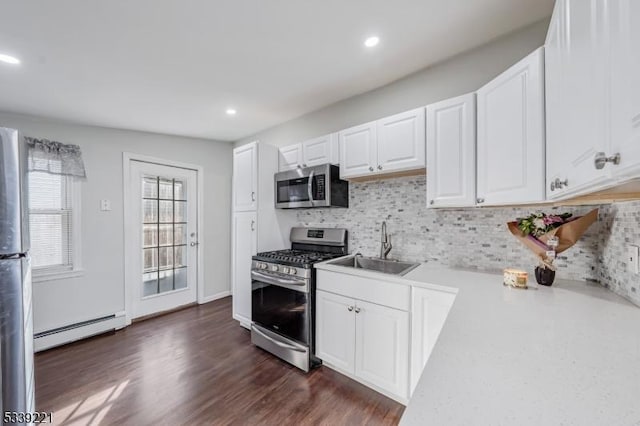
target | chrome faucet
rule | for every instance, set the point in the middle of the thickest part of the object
(385, 242)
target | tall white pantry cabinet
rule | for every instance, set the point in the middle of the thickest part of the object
(256, 224)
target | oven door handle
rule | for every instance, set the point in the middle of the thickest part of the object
(275, 342)
(310, 186)
(270, 279)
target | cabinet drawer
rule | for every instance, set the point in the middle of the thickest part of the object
(372, 290)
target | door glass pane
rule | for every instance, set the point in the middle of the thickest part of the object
(166, 189)
(180, 193)
(165, 235)
(166, 211)
(150, 187)
(181, 207)
(150, 211)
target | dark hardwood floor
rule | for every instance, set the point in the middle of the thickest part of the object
(195, 367)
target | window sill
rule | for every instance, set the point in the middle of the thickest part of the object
(55, 276)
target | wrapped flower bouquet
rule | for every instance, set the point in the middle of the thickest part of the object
(547, 235)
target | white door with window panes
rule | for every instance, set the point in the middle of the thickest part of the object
(165, 237)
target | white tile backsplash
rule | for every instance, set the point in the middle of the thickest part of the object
(478, 237)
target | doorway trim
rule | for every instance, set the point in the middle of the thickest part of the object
(129, 287)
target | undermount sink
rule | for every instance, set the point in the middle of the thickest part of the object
(393, 267)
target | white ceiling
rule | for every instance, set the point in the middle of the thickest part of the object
(174, 66)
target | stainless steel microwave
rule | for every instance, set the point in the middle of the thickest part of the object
(318, 186)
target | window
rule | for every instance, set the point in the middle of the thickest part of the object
(53, 225)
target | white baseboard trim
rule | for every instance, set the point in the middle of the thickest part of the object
(64, 335)
(207, 299)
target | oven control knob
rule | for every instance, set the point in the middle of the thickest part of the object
(285, 270)
(274, 268)
(293, 271)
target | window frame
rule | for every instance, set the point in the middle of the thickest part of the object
(52, 273)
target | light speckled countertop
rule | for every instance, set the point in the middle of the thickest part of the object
(567, 354)
(562, 355)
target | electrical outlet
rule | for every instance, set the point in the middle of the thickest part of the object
(632, 259)
(105, 205)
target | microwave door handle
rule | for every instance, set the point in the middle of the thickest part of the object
(310, 186)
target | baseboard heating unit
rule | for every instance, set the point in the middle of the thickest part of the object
(71, 333)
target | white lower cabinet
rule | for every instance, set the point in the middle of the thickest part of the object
(429, 310)
(243, 247)
(335, 330)
(382, 347)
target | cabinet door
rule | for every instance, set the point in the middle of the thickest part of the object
(243, 246)
(401, 141)
(382, 347)
(335, 330)
(429, 310)
(245, 177)
(624, 16)
(511, 143)
(451, 152)
(321, 150)
(576, 98)
(290, 157)
(358, 155)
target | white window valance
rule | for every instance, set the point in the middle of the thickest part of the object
(55, 157)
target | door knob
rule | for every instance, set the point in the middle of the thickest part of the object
(601, 160)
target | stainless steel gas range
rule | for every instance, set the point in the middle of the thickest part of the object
(283, 294)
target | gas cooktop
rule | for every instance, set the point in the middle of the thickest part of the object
(301, 258)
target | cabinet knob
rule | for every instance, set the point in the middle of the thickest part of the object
(480, 200)
(357, 310)
(379, 167)
(432, 202)
(350, 308)
(370, 168)
(304, 165)
(601, 160)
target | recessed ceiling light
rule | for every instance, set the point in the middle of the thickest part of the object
(231, 111)
(372, 41)
(9, 59)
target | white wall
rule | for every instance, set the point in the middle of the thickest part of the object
(461, 74)
(100, 291)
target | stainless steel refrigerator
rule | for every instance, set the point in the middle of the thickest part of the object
(16, 323)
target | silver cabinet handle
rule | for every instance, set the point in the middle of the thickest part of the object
(379, 167)
(350, 308)
(253, 196)
(370, 168)
(480, 200)
(558, 184)
(253, 225)
(357, 310)
(601, 160)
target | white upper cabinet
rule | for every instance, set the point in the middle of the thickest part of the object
(245, 177)
(576, 97)
(511, 135)
(290, 157)
(401, 141)
(624, 23)
(358, 150)
(392, 144)
(320, 150)
(309, 153)
(451, 152)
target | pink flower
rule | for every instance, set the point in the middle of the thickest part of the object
(548, 220)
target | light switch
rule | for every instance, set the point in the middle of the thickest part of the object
(632, 259)
(105, 205)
